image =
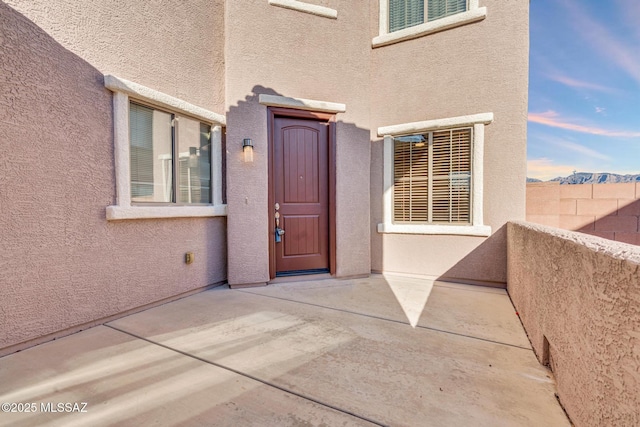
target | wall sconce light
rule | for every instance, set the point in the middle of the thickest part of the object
(247, 149)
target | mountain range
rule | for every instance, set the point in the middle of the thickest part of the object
(592, 178)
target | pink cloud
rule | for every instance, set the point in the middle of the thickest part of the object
(553, 119)
(630, 9)
(546, 169)
(580, 84)
(623, 55)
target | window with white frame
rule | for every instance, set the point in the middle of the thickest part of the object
(408, 19)
(168, 155)
(433, 176)
(407, 13)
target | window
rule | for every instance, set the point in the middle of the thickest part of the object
(168, 155)
(164, 146)
(433, 172)
(408, 19)
(432, 177)
(407, 13)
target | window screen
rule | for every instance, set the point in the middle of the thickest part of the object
(154, 145)
(405, 13)
(437, 9)
(432, 177)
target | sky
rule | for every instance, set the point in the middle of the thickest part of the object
(584, 87)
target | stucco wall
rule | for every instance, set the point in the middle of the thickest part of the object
(61, 263)
(611, 211)
(173, 47)
(290, 53)
(578, 299)
(477, 68)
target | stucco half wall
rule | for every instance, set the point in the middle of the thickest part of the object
(578, 297)
(62, 264)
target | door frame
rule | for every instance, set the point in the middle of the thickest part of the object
(330, 119)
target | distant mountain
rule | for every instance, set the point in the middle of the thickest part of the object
(596, 178)
(592, 178)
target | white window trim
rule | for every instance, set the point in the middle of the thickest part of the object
(122, 90)
(301, 104)
(477, 227)
(300, 6)
(473, 14)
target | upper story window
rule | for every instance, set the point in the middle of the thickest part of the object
(407, 13)
(168, 155)
(433, 176)
(409, 19)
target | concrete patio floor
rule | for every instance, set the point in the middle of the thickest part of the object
(387, 350)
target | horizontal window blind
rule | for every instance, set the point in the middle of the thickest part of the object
(432, 177)
(170, 163)
(440, 8)
(141, 150)
(405, 13)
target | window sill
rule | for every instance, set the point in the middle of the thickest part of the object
(115, 213)
(442, 24)
(462, 230)
(300, 6)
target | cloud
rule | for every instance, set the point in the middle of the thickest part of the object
(580, 84)
(553, 119)
(600, 38)
(545, 169)
(575, 147)
(630, 10)
(601, 110)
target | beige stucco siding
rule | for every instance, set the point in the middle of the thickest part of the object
(172, 47)
(477, 68)
(577, 297)
(62, 264)
(295, 54)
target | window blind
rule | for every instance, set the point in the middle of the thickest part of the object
(440, 8)
(141, 150)
(432, 177)
(150, 154)
(405, 13)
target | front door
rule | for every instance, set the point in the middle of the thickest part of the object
(301, 195)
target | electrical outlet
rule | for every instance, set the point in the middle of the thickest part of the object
(189, 257)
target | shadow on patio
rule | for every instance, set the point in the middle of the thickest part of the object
(387, 350)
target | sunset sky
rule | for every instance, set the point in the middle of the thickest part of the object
(584, 87)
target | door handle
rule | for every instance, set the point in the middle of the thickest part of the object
(279, 231)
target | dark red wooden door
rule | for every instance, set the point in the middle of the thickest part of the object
(301, 174)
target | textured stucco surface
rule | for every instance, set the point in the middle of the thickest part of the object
(61, 263)
(294, 54)
(481, 67)
(173, 47)
(581, 294)
(65, 265)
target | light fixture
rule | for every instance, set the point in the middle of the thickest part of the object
(247, 149)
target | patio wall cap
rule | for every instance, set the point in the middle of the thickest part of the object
(618, 250)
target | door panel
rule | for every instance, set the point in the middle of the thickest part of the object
(301, 175)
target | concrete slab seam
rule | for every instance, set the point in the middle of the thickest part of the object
(388, 320)
(251, 377)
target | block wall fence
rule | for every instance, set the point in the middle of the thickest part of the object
(611, 211)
